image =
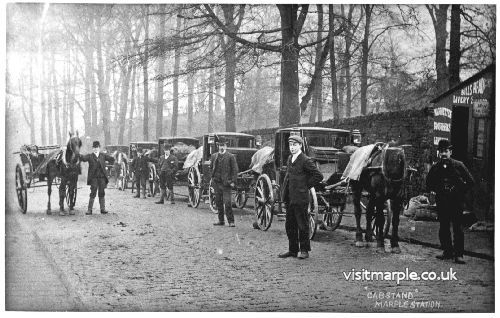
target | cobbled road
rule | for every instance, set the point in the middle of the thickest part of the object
(146, 257)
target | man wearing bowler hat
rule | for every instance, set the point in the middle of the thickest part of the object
(224, 171)
(96, 176)
(301, 175)
(168, 165)
(141, 171)
(449, 179)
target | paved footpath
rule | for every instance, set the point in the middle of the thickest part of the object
(33, 282)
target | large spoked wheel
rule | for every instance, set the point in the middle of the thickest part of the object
(240, 199)
(194, 187)
(333, 217)
(264, 202)
(151, 179)
(387, 216)
(22, 195)
(312, 210)
(211, 198)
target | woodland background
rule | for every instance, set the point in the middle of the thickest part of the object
(120, 73)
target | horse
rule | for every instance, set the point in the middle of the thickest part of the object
(384, 179)
(120, 168)
(66, 166)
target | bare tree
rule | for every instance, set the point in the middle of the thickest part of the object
(439, 16)
(175, 106)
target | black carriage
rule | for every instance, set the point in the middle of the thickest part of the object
(325, 147)
(199, 184)
(33, 169)
(152, 152)
(182, 146)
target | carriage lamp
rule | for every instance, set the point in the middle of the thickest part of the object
(356, 137)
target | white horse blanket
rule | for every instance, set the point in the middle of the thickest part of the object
(358, 160)
(194, 157)
(261, 157)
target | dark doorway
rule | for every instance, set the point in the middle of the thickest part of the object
(460, 132)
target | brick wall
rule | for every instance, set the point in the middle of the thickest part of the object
(413, 127)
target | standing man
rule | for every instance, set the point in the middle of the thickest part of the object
(449, 179)
(224, 171)
(301, 175)
(96, 176)
(140, 166)
(168, 165)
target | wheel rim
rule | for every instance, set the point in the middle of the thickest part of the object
(240, 199)
(211, 198)
(312, 209)
(21, 191)
(264, 202)
(193, 187)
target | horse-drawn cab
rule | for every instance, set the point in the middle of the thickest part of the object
(326, 147)
(243, 147)
(182, 147)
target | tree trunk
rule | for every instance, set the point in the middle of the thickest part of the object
(289, 99)
(333, 67)
(103, 85)
(454, 61)
(161, 73)
(132, 106)
(439, 14)
(211, 101)
(190, 87)
(230, 59)
(87, 114)
(316, 100)
(364, 59)
(145, 124)
(126, 74)
(56, 100)
(50, 119)
(31, 106)
(258, 92)
(175, 104)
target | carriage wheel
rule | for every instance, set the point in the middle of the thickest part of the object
(211, 198)
(194, 187)
(312, 210)
(152, 177)
(240, 199)
(264, 202)
(387, 216)
(333, 217)
(22, 197)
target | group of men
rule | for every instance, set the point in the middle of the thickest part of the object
(168, 165)
(448, 179)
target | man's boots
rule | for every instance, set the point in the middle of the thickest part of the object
(162, 197)
(102, 205)
(62, 212)
(91, 204)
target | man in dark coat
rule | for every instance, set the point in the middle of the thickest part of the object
(224, 171)
(141, 168)
(168, 164)
(449, 179)
(96, 176)
(301, 175)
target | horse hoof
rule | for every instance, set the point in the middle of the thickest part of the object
(360, 244)
(396, 250)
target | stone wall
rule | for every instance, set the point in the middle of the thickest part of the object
(411, 127)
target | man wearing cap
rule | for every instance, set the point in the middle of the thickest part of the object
(141, 171)
(224, 171)
(301, 175)
(449, 179)
(96, 176)
(168, 165)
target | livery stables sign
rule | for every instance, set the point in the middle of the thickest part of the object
(442, 124)
(476, 95)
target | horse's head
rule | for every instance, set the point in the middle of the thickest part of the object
(73, 147)
(395, 163)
